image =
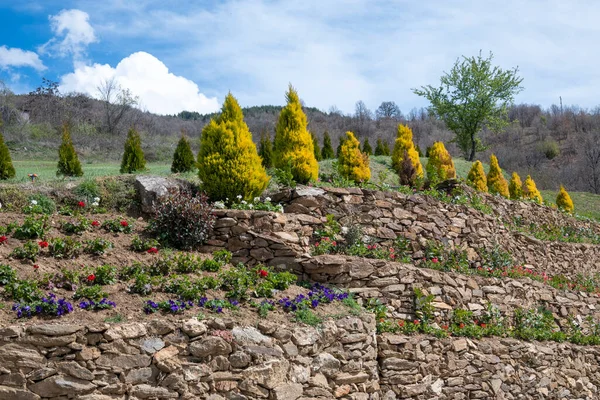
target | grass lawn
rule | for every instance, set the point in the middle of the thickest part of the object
(586, 204)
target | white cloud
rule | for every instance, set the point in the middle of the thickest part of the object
(148, 78)
(13, 57)
(72, 33)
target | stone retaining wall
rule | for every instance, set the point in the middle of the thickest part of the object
(425, 368)
(190, 360)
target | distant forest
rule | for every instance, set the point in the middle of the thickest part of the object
(557, 145)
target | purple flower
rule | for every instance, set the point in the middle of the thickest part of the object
(315, 303)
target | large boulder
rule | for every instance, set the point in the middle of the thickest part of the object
(150, 188)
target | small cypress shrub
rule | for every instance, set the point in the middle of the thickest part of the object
(515, 187)
(68, 162)
(476, 178)
(228, 163)
(317, 149)
(531, 192)
(133, 156)
(440, 165)
(7, 170)
(183, 158)
(404, 146)
(352, 163)
(265, 150)
(407, 171)
(381, 148)
(327, 150)
(367, 149)
(293, 144)
(563, 200)
(340, 144)
(495, 179)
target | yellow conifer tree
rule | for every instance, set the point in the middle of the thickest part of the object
(515, 187)
(531, 192)
(440, 165)
(228, 163)
(495, 179)
(476, 178)
(563, 200)
(404, 143)
(352, 163)
(293, 147)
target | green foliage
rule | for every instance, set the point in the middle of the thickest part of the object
(80, 225)
(471, 95)
(97, 246)
(93, 292)
(133, 155)
(293, 144)
(423, 307)
(7, 274)
(476, 178)
(228, 163)
(23, 291)
(284, 177)
(327, 151)
(341, 140)
(316, 148)
(182, 220)
(88, 190)
(39, 204)
(117, 225)
(550, 149)
(382, 148)
(7, 170)
(32, 228)
(29, 251)
(265, 150)
(106, 275)
(367, 149)
(307, 316)
(352, 163)
(64, 248)
(495, 179)
(139, 244)
(563, 200)
(183, 158)
(68, 162)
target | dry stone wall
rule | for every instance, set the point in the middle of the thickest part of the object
(425, 368)
(193, 359)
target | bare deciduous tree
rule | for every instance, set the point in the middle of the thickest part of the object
(118, 102)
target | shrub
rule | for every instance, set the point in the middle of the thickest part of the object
(139, 244)
(88, 190)
(29, 251)
(39, 204)
(133, 156)
(293, 144)
(476, 178)
(228, 163)
(117, 225)
(515, 187)
(531, 192)
(182, 220)
(407, 171)
(341, 140)
(550, 149)
(183, 158)
(382, 149)
(327, 150)
(563, 200)
(68, 162)
(495, 179)
(106, 275)
(440, 165)
(265, 150)
(64, 248)
(7, 170)
(97, 246)
(81, 225)
(316, 148)
(367, 149)
(32, 228)
(353, 164)
(404, 145)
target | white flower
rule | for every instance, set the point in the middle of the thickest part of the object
(96, 199)
(256, 199)
(95, 204)
(251, 206)
(344, 229)
(239, 196)
(219, 204)
(267, 199)
(0, 205)
(34, 202)
(244, 202)
(280, 208)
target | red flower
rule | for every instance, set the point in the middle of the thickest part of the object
(401, 323)
(95, 223)
(35, 266)
(3, 239)
(43, 244)
(461, 326)
(334, 243)
(483, 325)
(445, 327)
(434, 260)
(81, 204)
(416, 322)
(153, 250)
(91, 278)
(124, 223)
(263, 273)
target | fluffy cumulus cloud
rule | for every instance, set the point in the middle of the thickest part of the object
(147, 77)
(12, 57)
(72, 33)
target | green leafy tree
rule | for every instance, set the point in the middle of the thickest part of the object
(183, 158)
(327, 150)
(265, 150)
(7, 170)
(228, 163)
(367, 149)
(317, 149)
(472, 95)
(68, 162)
(293, 144)
(133, 156)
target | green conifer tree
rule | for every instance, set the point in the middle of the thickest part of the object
(133, 156)
(183, 158)
(327, 150)
(7, 170)
(265, 150)
(341, 141)
(293, 144)
(317, 149)
(367, 149)
(228, 163)
(68, 162)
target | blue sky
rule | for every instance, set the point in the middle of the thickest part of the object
(178, 55)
